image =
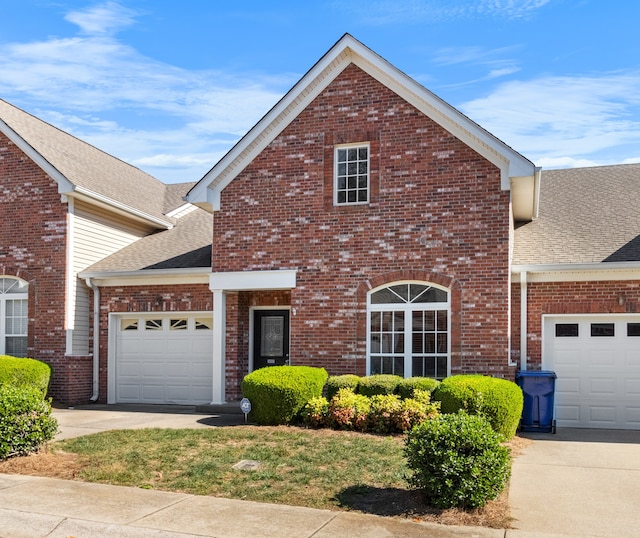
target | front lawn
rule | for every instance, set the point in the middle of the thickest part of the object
(315, 468)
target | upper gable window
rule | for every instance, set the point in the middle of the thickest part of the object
(352, 174)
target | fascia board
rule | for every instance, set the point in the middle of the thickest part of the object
(586, 272)
(149, 277)
(64, 185)
(206, 193)
(253, 280)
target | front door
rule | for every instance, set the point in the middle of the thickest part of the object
(270, 338)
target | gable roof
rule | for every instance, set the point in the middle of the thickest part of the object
(587, 216)
(185, 246)
(84, 171)
(517, 172)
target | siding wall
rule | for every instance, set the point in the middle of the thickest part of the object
(96, 234)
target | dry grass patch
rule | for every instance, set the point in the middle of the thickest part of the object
(316, 468)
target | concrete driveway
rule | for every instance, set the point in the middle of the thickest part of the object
(577, 482)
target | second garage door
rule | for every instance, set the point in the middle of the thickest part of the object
(164, 359)
(597, 361)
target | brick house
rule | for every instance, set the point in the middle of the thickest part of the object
(363, 225)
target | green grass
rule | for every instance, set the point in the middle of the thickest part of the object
(320, 469)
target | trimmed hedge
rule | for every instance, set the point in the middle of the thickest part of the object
(278, 393)
(499, 400)
(25, 372)
(378, 384)
(25, 420)
(457, 460)
(337, 382)
(407, 387)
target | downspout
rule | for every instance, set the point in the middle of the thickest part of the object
(523, 320)
(96, 339)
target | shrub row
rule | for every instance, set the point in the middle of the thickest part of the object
(379, 384)
(380, 413)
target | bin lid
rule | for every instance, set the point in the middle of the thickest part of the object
(536, 373)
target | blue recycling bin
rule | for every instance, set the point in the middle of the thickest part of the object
(538, 387)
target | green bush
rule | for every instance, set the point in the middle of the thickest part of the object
(349, 411)
(457, 460)
(278, 393)
(25, 372)
(25, 421)
(499, 400)
(414, 411)
(337, 382)
(384, 410)
(406, 387)
(378, 384)
(315, 412)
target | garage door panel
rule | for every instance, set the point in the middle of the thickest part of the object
(164, 365)
(598, 377)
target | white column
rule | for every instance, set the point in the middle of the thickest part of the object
(219, 374)
(523, 320)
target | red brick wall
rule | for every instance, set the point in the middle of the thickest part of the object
(602, 297)
(163, 298)
(33, 247)
(436, 209)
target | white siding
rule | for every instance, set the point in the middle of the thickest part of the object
(95, 234)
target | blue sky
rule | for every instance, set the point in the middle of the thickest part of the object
(170, 85)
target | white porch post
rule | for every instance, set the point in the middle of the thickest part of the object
(219, 374)
(523, 320)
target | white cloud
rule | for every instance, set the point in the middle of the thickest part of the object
(563, 119)
(106, 18)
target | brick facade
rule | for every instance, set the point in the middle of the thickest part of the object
(33, 240)
(436, 213)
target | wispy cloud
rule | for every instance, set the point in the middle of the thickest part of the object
(564, 121)
(432, 11)
(90, 84)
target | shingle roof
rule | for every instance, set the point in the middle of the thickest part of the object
(187, 244)
(88, 167)
(587, 215)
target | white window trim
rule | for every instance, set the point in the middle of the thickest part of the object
(408, 307)
(335, 173)
(3, 311)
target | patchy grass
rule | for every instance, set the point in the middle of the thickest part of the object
(315, 468)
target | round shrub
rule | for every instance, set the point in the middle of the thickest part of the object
(406, 387)
(349, 411)
(337, 382)
(278, 393)
(25, 372)
(25, 421)
(315, 412)
(499, 400)
(457, 460)
(378, 384)
(384, 410)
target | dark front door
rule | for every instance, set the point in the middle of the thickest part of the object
(270, 338)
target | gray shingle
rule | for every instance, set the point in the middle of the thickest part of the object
(587, 215)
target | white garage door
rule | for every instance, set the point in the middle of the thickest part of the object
(597, 361)
(164, 359)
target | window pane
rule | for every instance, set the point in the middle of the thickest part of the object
(342, 169)
(362, 153)
(442, 320)
(351, 196)
(342, 197)
(16, 346)
(429, 343)
(352, 154)
(362, 196)
(178, 324)
(342, 155)
(417, 343)
(602, 329)
(633, 329)
(430, 321)
(376, 321)
(441, 370)
(153, 324)
(566, 330)
(375, 343)
(442, 342)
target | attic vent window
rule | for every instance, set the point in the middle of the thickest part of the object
(352, 174)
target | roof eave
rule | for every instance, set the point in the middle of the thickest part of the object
(190, 275)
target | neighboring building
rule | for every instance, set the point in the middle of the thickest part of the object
(363, 225)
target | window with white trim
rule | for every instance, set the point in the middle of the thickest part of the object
(408, 330)
(351, 174)
(13, 316)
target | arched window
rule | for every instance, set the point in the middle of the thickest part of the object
(408, 330)
(13, 317)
